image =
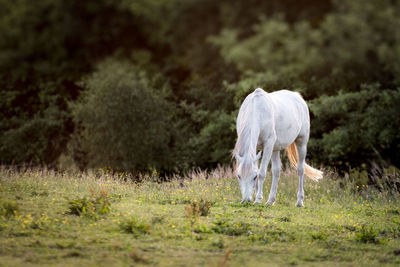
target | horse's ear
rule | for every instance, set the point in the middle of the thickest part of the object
(238, 157)
(257, 157)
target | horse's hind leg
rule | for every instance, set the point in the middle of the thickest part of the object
(275, 168)
(301, 151)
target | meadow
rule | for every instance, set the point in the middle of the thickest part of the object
(99, 218)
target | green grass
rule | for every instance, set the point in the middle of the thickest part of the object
(99, 219)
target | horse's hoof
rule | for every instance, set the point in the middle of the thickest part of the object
(270, 203)
(299, 204)
(258, 201)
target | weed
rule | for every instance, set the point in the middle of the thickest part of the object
(202, 228)
(64, 244)
(246, 204)
(198, 208)
(8, 209)
(284, 219)
(367, 235)
(91, 206)
(233, 229)
(332, 243)
(394, 211)
(137, 257)
(157, 220)
(280, 236)
(224, 261)
(351, 228)
(263, 238)
(135, 227)
(40, 223)
(73, 254)
(40, 193)
(218, 243)
(176, 201)
(319, 236)
(199, 237)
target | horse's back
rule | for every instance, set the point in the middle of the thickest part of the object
(282, 114)
(291, 116)
(286, 101)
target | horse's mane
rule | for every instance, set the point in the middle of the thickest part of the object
(244, 131)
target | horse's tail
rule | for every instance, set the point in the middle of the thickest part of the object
(310, 172)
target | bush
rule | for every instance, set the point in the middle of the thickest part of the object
(354, 84)
(198, 208)
(91, 206)
(318, 236)
(125, 120)
(135, 227)
(367, 234)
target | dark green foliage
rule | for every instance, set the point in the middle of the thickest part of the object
(127, 122)
(45, 48)
(91, 206)
(180, 69)
(357, 128)
(352, 80)
(213, 144)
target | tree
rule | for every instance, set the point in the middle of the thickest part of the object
(45, 48)
(348, 64)
(126, 121)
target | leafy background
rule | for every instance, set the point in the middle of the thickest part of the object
(135, 85)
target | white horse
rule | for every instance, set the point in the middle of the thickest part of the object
(271, 122)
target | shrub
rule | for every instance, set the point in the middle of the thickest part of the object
(367, 235)
(126, 120)
(198, 208)
(91, 206)
(135, 227)
(318, 236)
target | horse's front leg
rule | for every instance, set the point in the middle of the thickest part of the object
(275, 168)
(262, 173)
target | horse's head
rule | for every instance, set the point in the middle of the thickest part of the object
(247, 169)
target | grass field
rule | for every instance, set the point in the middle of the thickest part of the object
(102, 219)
